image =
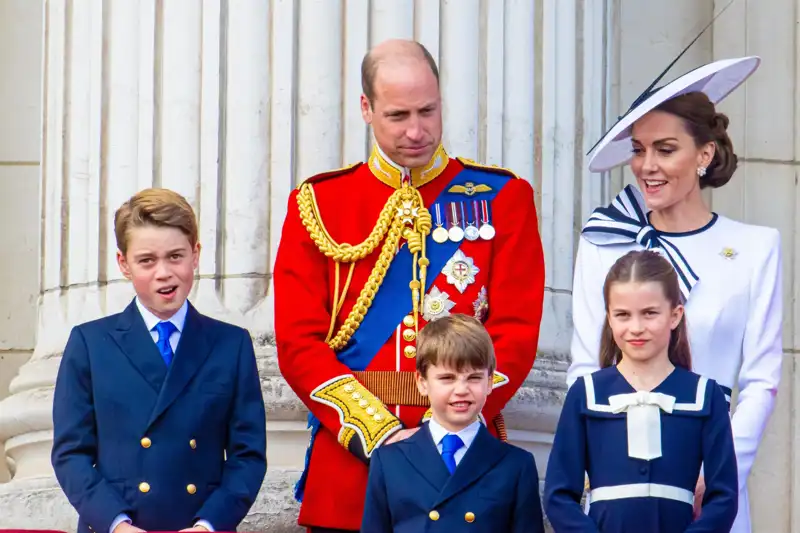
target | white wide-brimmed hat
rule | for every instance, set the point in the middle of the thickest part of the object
(717, 80)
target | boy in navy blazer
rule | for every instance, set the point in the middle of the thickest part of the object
(452, 475)
(158, 417)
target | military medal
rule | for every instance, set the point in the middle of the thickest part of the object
(481, 305)
(471, 233)
(455, 232)
(437, 304)
(487, 231)
(440, 233)
(460, 271)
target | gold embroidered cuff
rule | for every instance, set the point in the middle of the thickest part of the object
(361, 414)
(428, 414)
(499, 379)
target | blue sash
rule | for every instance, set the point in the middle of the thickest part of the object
(392, 302)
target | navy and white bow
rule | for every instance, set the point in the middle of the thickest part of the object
(625, 221)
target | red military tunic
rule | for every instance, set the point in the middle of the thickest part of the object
(501, 281)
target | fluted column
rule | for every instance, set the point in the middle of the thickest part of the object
(232, 103)
(173, 94)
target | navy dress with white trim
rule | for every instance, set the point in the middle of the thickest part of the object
(643, 452)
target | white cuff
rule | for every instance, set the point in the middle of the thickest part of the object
(118, 520)
(205, 524)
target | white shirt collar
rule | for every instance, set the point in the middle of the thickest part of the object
(467, 435)
(150, 320)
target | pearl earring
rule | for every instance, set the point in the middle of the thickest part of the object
(701, 171)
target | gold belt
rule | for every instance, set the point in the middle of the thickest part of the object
(400, 388)
(393, 388)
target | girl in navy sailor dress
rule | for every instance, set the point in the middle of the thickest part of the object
(643, 425)
(676, 144)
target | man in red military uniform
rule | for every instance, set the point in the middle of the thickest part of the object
(371, 253)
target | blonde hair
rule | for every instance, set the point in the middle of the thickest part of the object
(154, 207)
(455, 341)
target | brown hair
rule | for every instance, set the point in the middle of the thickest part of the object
(154, 207)
(646, 266)
(455, 341)
(705, 125)
(369, 68)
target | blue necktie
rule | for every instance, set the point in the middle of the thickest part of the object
(450, 445)
(165, 330)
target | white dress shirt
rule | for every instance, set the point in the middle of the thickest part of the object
(467, 435)
(150, 321)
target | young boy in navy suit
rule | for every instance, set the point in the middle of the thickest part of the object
(452, 475)
(158, 417)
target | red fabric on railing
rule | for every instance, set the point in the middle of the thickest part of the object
(31, 531)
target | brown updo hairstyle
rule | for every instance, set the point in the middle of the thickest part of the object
(705, 125)
(640, 267)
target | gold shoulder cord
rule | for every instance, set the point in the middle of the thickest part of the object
(404, 215)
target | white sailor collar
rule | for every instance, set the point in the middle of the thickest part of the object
(690, 393)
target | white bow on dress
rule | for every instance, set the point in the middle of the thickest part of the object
(643, 420)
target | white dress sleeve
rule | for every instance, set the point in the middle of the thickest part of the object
(762, 353)
(588, 311)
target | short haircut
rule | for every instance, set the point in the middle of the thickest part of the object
(162, 208)
(369, 68)
(457, 342)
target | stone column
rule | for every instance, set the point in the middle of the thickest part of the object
(764, 191)
(173, 94)
(20, 106)
(232, 103)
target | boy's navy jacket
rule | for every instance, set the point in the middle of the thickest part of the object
(132, 436)
(494, 488)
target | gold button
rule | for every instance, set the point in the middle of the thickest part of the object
(409, 335)
(191, 489)
(193, 444)
(146, 443)
(370, 411)
(356, 396)
(469, 517)
(408, 321)
(144, 487)
(433, 515)
(378, 417)
(349, 387)
(410, 351)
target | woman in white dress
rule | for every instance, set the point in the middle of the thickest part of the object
(730, 272)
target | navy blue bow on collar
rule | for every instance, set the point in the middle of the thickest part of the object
(625, 221)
